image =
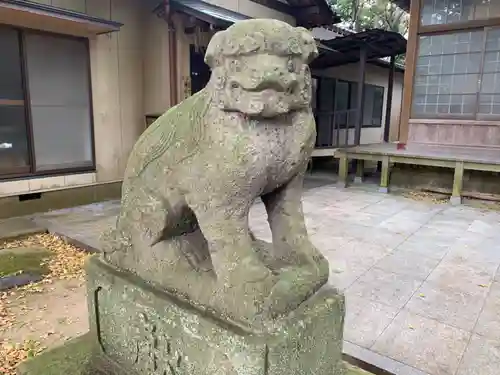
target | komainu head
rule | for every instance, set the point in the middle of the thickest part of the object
(260, 67)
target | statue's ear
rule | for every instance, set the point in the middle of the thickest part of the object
(215, 48)
(309, 48)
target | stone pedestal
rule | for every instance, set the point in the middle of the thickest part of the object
(137, 329)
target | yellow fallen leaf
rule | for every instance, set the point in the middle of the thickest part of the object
(483, 285)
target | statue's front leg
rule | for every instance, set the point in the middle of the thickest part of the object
(242, 282)
(290, 238)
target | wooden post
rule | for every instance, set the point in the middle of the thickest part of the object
(360, 170)
(388, 106)
(458, 180)
(411, 59)
(343, 171)
(361, 95)
(384, 175)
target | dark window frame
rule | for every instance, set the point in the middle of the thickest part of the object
(22, 172)
(352, 108)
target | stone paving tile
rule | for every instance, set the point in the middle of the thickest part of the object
(453, 307)
(463, 276)
(371, 235)
(400, 226)
(408, 263)
(380, 361)
(488, 323)
(366, 320)
(424, 246)
(482, 357)
(484, 228)
(385, 207)
(19, 227)
(350, 260)
(485, 256)
(384, 287)
(423, 343)
(457, 272)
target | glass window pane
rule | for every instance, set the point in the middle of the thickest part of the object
(438, 12)
(493, 40)
(342, 98)
(59, 89)
(447, 74)
(314, 92)
(353, 95)
(489, 104)
(374, 103)
(327, 94)
(11, 86)
(13, 139)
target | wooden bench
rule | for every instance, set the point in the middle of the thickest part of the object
(457, 158)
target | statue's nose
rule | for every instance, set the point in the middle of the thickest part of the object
(279, 76)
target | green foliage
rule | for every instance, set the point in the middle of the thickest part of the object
(360, 15)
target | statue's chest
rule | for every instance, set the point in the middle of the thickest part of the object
(277, 150)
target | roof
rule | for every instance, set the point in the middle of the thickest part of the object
(311, 13)
(308, 13)
(346, 49)
(16, 12)
(212, 14)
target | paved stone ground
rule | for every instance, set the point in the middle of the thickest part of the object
(422, 280)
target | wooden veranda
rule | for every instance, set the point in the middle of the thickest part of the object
(457, 158)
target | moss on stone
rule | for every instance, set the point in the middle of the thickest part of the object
(352, 370)
(75, 357)
(71, 358)
(25, 260)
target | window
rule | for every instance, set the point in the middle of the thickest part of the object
(374, 104)
(458, 75)
(437, 12)
(45, 109)
(13, 131)
(335, 107)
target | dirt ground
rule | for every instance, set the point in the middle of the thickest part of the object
(43, 315)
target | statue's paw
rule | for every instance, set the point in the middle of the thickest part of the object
(242, 292)
(316, 261)
(294, 286)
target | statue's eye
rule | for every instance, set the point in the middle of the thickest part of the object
(291, 66)
(234, 85)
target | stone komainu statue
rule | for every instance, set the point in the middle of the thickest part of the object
(194, 174)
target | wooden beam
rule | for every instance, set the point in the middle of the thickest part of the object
(361, 95)
(458, 181)
(384, 175)
(411, 60)
(360, 171)
(388, 107)
(276, 5)
(343, 171)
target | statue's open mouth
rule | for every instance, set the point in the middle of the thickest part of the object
(266, 103)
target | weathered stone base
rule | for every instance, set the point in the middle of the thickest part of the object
(77, 355)
(137, 329)
(148, 331)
